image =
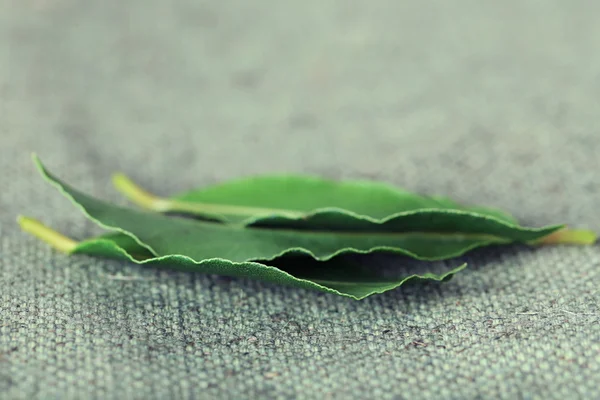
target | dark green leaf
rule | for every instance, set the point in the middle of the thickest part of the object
(339, 276)
(300, 196)
(306, 249)
(431, 234)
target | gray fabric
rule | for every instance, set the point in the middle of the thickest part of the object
(489, 102)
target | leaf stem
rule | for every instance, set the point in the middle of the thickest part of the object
(48, 235)
(144, 199)
(137, 195)
(570, 236)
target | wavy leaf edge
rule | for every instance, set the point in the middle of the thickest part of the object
(61, 187)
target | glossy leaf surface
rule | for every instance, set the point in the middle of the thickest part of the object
(303, 196)
(305, 250)
(431, 234)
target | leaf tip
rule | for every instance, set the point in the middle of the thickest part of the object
(35, 158)
(37, 162)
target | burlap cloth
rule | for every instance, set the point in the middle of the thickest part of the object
(494, 103)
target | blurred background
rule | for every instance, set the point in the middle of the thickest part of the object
(485, 101)
(491, 103)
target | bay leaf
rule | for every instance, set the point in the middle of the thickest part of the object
(279, 199)
(428, 234)
(250, 246)
(340, 276)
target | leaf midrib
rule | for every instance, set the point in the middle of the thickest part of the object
(335, 232)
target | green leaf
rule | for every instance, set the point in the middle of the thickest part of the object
(431, 234)
(251, 201)
(298, 202)
(341, 276)
(283, 239)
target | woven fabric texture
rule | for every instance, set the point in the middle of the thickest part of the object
(493, 103)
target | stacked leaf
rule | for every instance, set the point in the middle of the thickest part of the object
(248, 227)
